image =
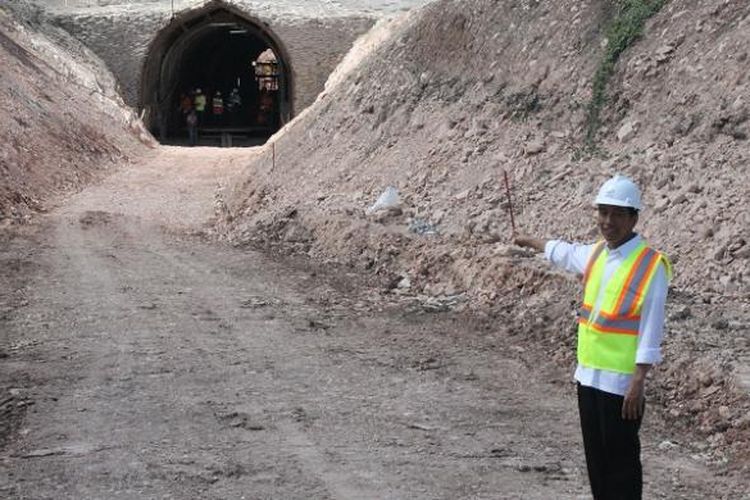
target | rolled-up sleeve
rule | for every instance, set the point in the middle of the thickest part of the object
(651, 331)
(571, 257)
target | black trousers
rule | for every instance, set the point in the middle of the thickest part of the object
(613, 449)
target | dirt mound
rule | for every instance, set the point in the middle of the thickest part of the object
(62, 123)
(460, 92)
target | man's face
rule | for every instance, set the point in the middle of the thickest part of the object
(616, 223)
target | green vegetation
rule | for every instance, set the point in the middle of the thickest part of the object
(624, 30)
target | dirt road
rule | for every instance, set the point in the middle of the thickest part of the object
(140, 362)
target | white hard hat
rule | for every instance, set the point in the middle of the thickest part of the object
(619, 191)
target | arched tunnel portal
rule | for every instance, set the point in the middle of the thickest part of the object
(231, 59)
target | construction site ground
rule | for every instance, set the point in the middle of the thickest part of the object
(145, 359)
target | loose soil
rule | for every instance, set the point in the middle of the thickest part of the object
(142, 359)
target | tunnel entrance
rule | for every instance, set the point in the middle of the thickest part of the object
(228, 68)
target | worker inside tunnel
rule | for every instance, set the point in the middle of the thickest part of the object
(215, 77)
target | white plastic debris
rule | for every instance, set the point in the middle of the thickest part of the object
(388, 199)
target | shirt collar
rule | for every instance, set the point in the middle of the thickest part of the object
(624, 250)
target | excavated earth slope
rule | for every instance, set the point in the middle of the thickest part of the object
(441, 102)
(62, 123)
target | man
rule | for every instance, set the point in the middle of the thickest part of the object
(186, 104)
(234, 103)
(192, 126)
(620, 328)
(199, 103)
(217, 107)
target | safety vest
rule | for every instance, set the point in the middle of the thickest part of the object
(200, 102)
(608, 339)
(218, 105)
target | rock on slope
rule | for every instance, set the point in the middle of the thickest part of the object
(462, 90)
(61, 122)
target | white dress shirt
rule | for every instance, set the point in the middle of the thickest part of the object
(573, 257)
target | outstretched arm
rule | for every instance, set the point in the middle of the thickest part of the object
(530, 242)
(571, 257)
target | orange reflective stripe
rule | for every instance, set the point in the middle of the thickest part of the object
(607, 329)
(592, 260)
(615, 325)
(607, 315)
(631, 274)
(617, 331)
(586, 309)
(644, 282)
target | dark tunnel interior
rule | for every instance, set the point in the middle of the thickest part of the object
(241, 75)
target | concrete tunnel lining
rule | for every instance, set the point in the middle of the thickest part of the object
(172, 54)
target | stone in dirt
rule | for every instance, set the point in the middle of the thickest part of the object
(627, 131)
